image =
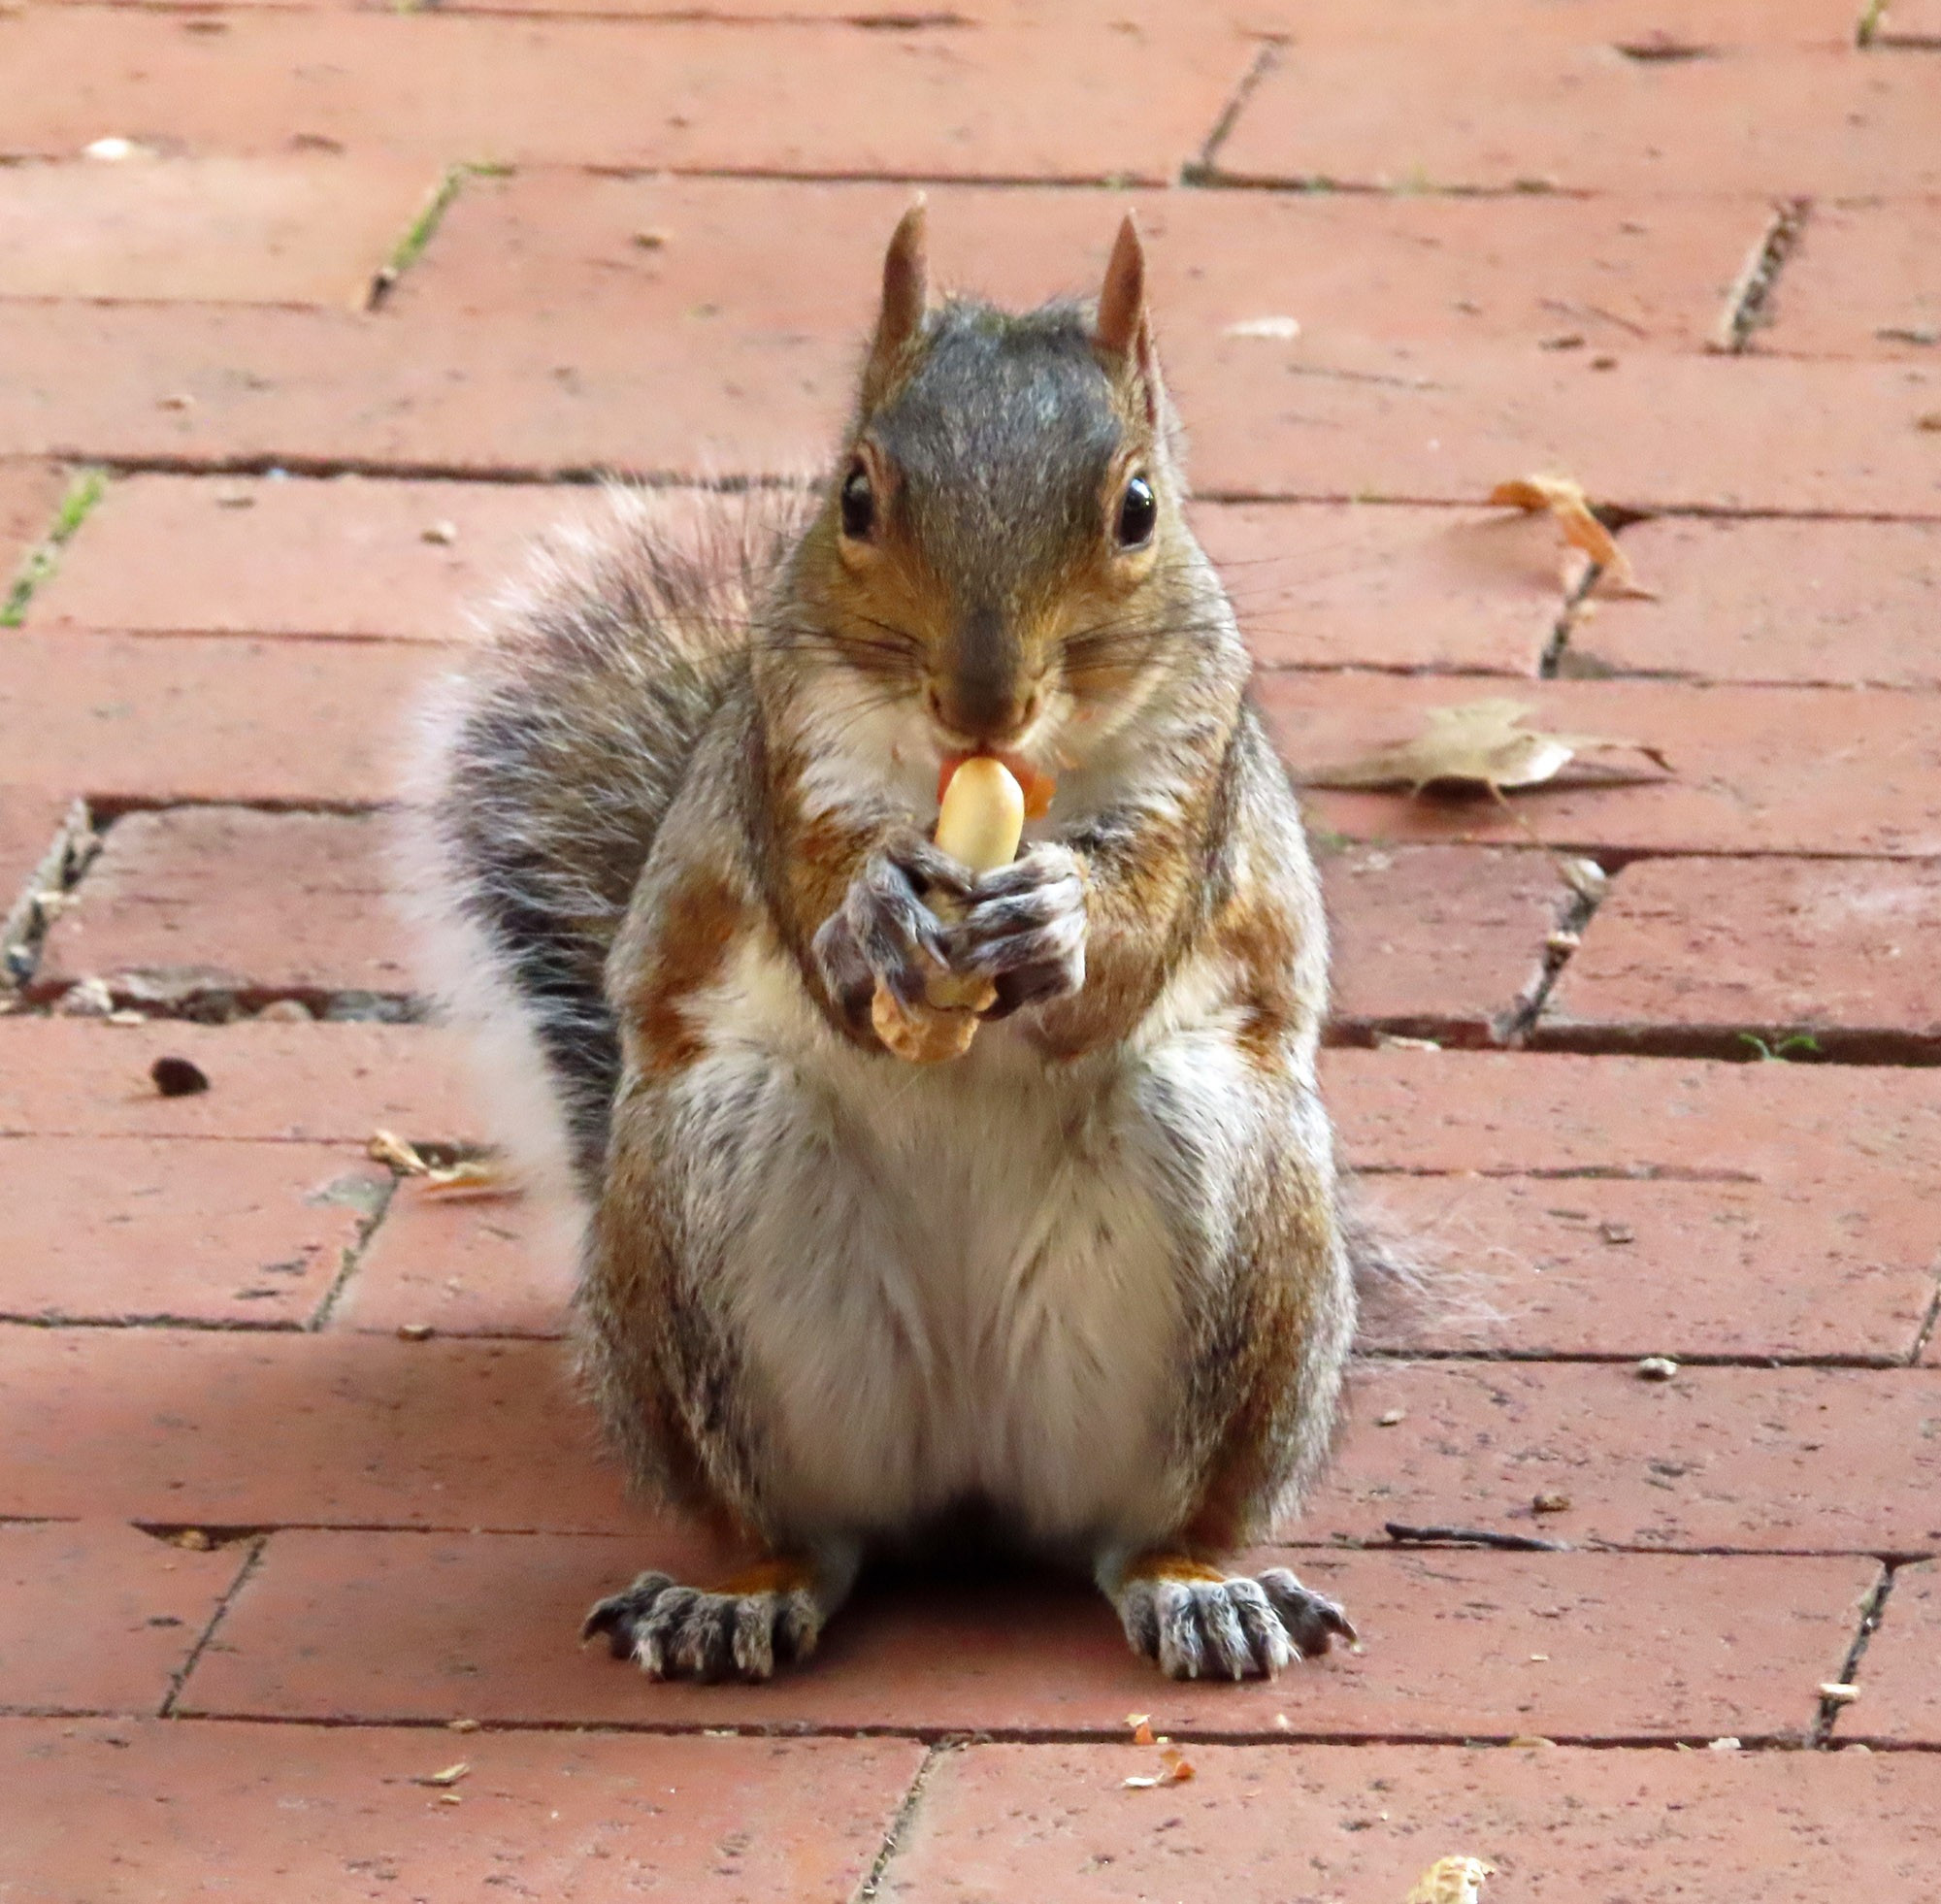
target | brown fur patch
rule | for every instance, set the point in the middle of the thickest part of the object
(1259, 939)
(700, 922)
(1168, 1565)
(771, 1576)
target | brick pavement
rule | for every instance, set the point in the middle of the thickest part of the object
(295, 1481)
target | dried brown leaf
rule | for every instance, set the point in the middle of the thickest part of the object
(1478, 744)
(469, 1176)
(1568, 503)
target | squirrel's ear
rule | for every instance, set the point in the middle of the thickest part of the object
(1122, 331)
(906, 293)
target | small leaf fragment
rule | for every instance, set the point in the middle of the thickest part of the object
(1451, 1881)
(1567, 501)
(387, 1147)
(449, 1776)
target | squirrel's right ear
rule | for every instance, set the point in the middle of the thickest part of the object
(905, 299)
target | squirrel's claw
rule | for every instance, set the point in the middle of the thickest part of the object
(685, 1632)
(884, 933)
(1239, 1628)
(1025, 928)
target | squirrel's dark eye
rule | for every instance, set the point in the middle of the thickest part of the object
(859, 503)
(1138, 514)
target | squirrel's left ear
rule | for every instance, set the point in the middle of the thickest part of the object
(1122, 330)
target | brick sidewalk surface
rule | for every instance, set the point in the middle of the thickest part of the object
(356, 298)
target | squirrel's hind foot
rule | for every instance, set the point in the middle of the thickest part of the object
(743, 1629)
(1196, 1622)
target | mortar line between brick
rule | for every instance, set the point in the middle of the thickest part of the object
(1750, 298)
(898, 1825)
(354, 1253)
(1872, 1610)
(179, 1677)
(1266, 56)
(1925, 1334)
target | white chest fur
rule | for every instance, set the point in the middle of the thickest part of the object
(949, 1281)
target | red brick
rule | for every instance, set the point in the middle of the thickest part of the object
(287, 1812)
(1745, 1457)
(386, 1626)
(31, 820)
(1455, 106)
(1442, 941)
(1513, 1114)
(127, 1228)
(746, 256)
(122, 719)
(465, 1265)
(1911, 24)
(100, 1618)
(1698, 952)
(1754, 770)
(1342, 584)
(225, 901)
(230, 231)
(1769, 600)
(1862, 281)
(1364, 1822)
(233, 1430)
(29, 494)
(1590, 1267)
(346, 557)
(1900, 1694)
(1431, 423)
(305, 1083)
(217, 383)
(1057, 102)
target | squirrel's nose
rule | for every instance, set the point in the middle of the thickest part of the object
(979, 693)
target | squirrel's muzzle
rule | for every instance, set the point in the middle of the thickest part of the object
(978, 689)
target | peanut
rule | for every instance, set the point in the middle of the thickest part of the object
(980, 822)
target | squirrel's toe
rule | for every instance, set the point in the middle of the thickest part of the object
(1313, 1622)
(672, 1631)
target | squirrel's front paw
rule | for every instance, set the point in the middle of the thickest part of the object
(1024, 928)
(884, 932)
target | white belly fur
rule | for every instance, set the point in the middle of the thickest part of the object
(949, 1281)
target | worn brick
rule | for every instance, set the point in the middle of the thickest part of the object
(1817, 1458)
(1056, 100)
(1455, 106)
(193, 384)
(1592, 1266)
(422, 1626)
(324, 1084)
(31, 820)
(1841, 603)
(1364, 1822)
(1436, 939)
(466, 1265)
(255, 1430)
(99, 1618)
(29, 493)
(1425, 422)
(1752, 770)
(124, 720)
(1335, 586)
(1911, 24)
(693, 258)
(1555, 1114)
(285, 1811)
(233, 231)
(1862, 281)
(1702, 953)
(228, 902)
(1900, 1694)
(348, 556)
(127, 1228)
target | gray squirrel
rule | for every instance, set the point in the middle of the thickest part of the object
(1090, 1278)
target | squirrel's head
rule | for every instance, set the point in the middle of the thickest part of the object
(1001, 556)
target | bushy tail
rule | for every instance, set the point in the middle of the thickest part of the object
(548, 761)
